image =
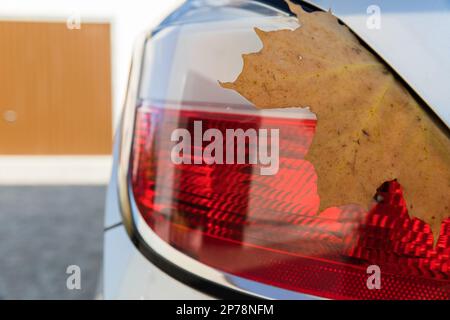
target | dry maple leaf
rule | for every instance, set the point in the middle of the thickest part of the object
(369, 128)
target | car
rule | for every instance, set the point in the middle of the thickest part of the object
(206, 230)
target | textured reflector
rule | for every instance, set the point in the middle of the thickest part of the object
(267, 228)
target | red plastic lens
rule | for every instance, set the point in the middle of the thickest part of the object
(267, 228)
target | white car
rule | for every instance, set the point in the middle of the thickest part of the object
(180, 231)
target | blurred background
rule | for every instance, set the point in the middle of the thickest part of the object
(63, 72)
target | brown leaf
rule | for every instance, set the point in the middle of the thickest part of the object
(369, 130)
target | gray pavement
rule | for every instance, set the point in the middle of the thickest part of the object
(44, 229)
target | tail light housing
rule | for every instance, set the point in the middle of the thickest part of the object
(231, 225)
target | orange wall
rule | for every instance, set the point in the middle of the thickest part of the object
(55, 89)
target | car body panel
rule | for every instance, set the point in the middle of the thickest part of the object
(414, 39)
(421, 32)
(129, 275)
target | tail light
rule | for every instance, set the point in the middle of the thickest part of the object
(266, 229)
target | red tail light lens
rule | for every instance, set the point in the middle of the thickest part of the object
(267, 228)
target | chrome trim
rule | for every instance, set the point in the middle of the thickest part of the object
(299, 113)
(198, 275)
(127, 129)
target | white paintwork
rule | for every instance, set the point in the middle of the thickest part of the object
(414, 42)
(414, 39)
(129, 275)
(55, 170)
(113, 215)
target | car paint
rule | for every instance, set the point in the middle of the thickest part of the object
(419, 30)
(414, 39)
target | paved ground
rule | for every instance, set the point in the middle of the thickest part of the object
(42, 231)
